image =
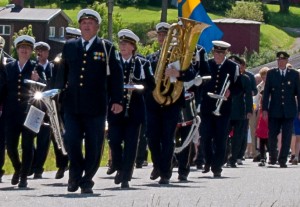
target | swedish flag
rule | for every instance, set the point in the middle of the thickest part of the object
(193, 9)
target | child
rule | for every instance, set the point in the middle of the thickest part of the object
(262, 126)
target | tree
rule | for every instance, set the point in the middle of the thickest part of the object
(164, 11)
(110, 18)
(284, 6)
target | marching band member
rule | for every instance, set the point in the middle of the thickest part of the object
(61, 159)
(16, 99)
(93, 83)
(279, 105)
(125, 127)
(213, 128)
(43, 137)
(184, 158)
(162, 120)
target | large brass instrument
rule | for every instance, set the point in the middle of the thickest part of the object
(179, 45)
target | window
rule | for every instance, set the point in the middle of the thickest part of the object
(61, 32)
(5, 29)
(51, 31)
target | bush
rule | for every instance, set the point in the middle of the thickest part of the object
(246, 10)
(217, 5)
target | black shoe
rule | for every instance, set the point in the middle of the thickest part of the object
(138, 165)
(217, 175)
(125, 184)
(272, 162)
(60, 173)
(86, 191)
(72, 187)
(262, 163)
(23, 183)
(164, 181)
(182, 177)
(283, 165)
(199, 167)
(145, 163)
(206, 169)
(1, 174)
(118, 177)
(233, 165)
(37, 176)
(154, 174)
(110, 170)
(15, 179)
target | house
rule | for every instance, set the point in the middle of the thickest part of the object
(48, 25)
(243, 35)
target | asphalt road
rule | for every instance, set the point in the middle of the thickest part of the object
(247, 185)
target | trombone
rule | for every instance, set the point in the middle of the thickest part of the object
(221, 97)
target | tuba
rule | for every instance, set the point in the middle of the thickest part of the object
(179, 45)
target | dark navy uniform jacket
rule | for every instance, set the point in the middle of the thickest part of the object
(15, 92)
(283, 102)
(143, 75)
(218, 75)
(88, 86)
(242, 103)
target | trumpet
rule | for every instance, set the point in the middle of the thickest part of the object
(221, 97)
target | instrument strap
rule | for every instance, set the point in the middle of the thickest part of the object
(107, 57)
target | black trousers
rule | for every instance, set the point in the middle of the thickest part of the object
(286, 125)
(183, 158)
(61, 159)
(213, 132)
(13, 129)
(41, 150)
(142, 152)
(123, 157)
(237, 139)
(162, 123)
(81, 127)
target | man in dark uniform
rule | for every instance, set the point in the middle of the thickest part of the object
(213, 127)
(254, 92)
(280, 107)
(200, 64)
(93, 77)
(124, 128)
(241, 111)
(43, 137)
(142, 153)
(184, 127)
(16, 99)
(2, 134)
(162, 121)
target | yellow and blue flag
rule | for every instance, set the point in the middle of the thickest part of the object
(193, 9)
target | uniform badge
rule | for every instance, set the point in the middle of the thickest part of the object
(117, 55)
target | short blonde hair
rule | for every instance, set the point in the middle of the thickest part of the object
(263, 71)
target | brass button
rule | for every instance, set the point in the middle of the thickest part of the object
(81, 84)
(82, 69)
(81, 76)
(84, 54)
(19, 80)
(20, 75)
(19, 86)
(19, 93)
(84, 62)
(19, 99)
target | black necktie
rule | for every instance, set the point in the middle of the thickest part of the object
(85, 44)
